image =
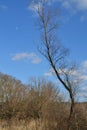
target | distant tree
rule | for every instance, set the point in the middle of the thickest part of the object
(41, 94)
(51, 48)
(12, 96)
(46, 104)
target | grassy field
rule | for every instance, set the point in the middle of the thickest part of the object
(38, 125)
(20, 125)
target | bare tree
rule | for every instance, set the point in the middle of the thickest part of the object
(12, 96)
(53, 50)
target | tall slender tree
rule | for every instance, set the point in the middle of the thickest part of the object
(51, 48)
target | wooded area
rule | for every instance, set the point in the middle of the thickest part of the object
(39, 103)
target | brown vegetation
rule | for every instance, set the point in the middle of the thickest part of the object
(37, 106)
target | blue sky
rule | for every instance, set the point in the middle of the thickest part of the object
(19, 36)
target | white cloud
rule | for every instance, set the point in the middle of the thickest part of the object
(35, 6)
(80, 75)
(50, 73)
(81, 4)
(32, 57)
(72, 7)
(84, 89)
(68, 4)
(80, 94)
(74, 4)
(84, 64)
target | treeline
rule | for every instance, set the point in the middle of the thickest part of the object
(41, 101)
(27, 101)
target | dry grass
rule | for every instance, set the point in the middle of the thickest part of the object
(30, 125)
(20, 125)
